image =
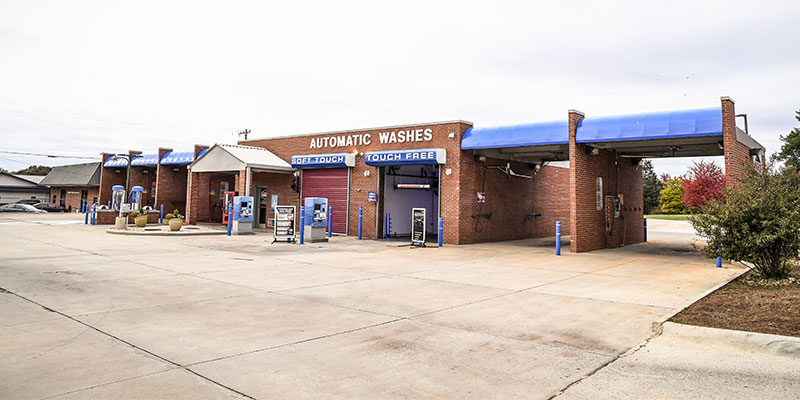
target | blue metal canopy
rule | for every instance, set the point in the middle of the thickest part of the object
(543, 133)
(145, 160)
(660, 125)
(183, 157)
(111, 162)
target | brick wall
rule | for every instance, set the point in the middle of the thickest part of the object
(72, 199)
(144, 177)
(511, 200)
(279, 184)
(108, 178)
(361, 184)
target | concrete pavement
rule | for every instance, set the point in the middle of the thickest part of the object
(93, 315)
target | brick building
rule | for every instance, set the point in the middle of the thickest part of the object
(73, 185)
(487, 183)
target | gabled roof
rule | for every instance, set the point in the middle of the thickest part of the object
(232, 157)
(19, 181)
(87, 174)
(31, 178)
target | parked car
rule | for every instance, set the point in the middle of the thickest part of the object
(29, 201)
(50, 207)
(21, 208)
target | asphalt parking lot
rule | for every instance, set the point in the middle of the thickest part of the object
(92, 315)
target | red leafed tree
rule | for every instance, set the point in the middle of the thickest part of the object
(705, 183)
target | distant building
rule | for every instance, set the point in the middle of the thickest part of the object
(14, 188)
(71, 185)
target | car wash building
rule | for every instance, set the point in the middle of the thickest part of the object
(487, 183)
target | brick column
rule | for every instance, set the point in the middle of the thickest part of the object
(161, 180)
(577, 160)
(737, 155)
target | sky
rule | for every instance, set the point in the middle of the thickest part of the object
(78, 78)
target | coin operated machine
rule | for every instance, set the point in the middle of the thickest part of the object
(117, 197)
(242, 217)
(226, 203)
(315, 219)
(136, 198)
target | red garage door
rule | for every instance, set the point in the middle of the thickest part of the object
(332, 184)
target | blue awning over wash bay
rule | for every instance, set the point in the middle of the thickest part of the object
(145, 160)
(537, 134)
(659, 125)
(177, 158)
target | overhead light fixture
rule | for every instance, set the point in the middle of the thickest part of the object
(479, 158)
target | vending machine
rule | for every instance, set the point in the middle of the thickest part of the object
(242, 217)
(227, 200)
(315, 219)
(117, 197)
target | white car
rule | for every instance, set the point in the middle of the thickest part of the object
(21, 208)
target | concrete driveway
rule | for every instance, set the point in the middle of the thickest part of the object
(92, 315)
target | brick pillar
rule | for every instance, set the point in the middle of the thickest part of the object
(575, 152)
(192, 197)
(198, 148)
(161, 178)
(107, 180)
(737, 155)
(240, 184)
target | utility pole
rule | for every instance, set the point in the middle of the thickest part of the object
(244, 133)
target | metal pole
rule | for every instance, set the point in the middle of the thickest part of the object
(719, 262)
(86, 215)
(230, 220)
(161, 219)
(645, 229)
(441, 230)
(558, 238)
(330, 217)
(360, 220)
(302, 224)
(94, 213)
(388, 225)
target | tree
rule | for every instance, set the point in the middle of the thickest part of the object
(759, 223)
(35, 170)
(705, 183)
(671, 196)
(652, 186)
(790, 151)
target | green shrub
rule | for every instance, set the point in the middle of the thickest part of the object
(759, 223)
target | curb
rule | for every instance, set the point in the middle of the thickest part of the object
(786, 346)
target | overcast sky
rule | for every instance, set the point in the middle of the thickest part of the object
(78, 78)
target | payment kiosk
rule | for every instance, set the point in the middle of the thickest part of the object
(315, 219)
(242, 217)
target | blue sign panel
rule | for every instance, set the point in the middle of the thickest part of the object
(405, 157)
(372, 196)
(324, 160)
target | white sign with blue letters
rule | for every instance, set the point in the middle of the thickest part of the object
(324, 160)
(406, 157)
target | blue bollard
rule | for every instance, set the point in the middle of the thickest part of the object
(83, 204)
(388, 225)
(109, 204)
(360, 220)
(645, 229)
(441, 230)
(558, 238)
(230, 220)
(86, 215)
(94, 213)
(161, 218)
(330, 217)
(302, 223)
(719, 262)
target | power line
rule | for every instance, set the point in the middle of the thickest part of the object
(46, 155)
